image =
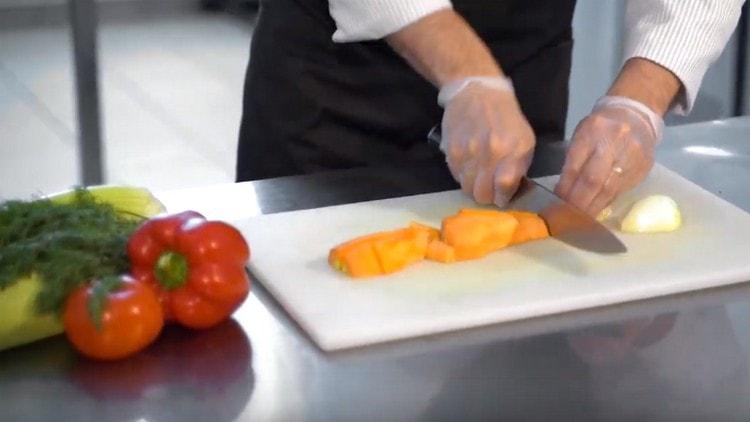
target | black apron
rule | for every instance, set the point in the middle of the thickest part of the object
(312, 105)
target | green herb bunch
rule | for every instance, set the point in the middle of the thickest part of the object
(65, 245)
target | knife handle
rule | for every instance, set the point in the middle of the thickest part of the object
(435, 136)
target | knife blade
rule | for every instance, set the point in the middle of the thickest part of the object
(565, 221)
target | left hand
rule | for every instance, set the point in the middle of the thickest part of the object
(612, 151)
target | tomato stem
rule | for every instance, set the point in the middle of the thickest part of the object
(171, 270)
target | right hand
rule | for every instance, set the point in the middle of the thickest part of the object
(487, 141)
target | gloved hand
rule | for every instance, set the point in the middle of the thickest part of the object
(486, 139)
(612, 151)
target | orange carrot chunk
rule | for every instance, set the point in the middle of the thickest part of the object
(432, 232)
(469, 234)
(401, 248)
(355, 258)
(530, 227)
(380, 253)
(439, 251)
(476, 233)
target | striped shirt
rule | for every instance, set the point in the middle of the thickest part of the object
(684, 36)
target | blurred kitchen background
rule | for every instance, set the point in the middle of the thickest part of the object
(170, 87)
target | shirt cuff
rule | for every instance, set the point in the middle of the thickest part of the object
(362, 20)
(685, 37)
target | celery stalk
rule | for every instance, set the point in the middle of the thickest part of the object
(20, 323)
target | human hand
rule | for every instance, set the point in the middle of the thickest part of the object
(612, 152)
(486, 138)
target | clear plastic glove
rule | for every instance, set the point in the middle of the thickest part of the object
(486, 139)
(612, 152)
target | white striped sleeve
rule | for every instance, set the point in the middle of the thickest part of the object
(684, 36)
(360, 20)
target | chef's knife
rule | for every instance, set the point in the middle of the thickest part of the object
(565, 222)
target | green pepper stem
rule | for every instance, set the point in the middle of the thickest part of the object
(171, 270)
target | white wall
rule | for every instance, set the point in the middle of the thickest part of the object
(716, 97)
(597, 56)
(597, 52)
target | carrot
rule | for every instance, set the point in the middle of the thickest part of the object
(356, 258)
(439, 251)
(530, 227)
(476, 233)
(382, 252)
(432, 233)
(469, 234)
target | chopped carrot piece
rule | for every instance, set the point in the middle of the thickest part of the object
(476, 234)
(380, 253)
(530, 227)
(439, 251)
(355, 258)
(400, 249)
(468, 234)
(432, 232)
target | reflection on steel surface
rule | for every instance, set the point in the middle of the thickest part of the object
(707, 150)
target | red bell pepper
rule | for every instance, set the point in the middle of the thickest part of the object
(197, 267)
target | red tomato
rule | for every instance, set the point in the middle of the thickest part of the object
(131, 319)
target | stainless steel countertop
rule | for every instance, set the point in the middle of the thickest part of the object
(679, 357)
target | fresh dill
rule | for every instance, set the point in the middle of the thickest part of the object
(65, 245)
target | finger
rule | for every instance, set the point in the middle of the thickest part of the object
(473, 149)
(591, 179)
(467, 178)
(606, 195)
(506, 180)
(499, 147)
(484, 185)
(454, 143)
(630, 160)
(454, 150)
(579, 153)
(455, 172)
(618, 182)
(636, 162)
(455, 164)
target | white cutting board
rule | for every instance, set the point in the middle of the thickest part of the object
(289, 257)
